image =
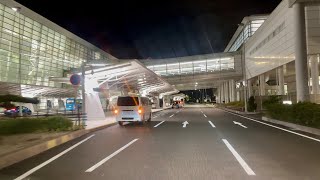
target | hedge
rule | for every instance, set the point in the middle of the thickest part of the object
(31, 125)
(303, 113)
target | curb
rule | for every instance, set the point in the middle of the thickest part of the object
(294, 126)
(239, 112)
(28, 152)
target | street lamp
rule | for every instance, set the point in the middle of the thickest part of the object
(244, 67)
(17, 11)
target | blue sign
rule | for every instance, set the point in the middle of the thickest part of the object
(75, 79)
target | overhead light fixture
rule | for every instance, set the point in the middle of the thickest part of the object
(16, 9)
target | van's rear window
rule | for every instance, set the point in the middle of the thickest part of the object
(128, 101)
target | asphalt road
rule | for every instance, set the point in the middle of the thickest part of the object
(165, 149)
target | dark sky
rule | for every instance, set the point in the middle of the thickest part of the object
(152, 29)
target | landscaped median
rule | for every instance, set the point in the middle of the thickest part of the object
(302, 113)
(21, 138)
(10, 126)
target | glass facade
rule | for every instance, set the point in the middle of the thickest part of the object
(250, 28)
(194, 67)
(42, 52)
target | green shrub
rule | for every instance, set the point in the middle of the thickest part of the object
(236, 104)
(56, 123)
(252, 106)
(303, 113)
(30, 125)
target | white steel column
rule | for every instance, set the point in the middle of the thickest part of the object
(280, 80)
(262, 88)
(301, 66)
(315, 74)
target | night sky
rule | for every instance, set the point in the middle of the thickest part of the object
(152, 29)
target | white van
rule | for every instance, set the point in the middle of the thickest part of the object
(133, 108)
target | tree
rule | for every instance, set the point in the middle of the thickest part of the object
(252, 106)
(5, 100)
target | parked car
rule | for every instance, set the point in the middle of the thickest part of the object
(175, 104)
(16, 110)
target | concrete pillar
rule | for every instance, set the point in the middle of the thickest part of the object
(301, 62)
(250, 93)
(157, 102)
(315, 74)
(163, 102)
(232, 87)
(222, 93)
(262, 88)
(226, 91)
(280, 80)
(218, 95)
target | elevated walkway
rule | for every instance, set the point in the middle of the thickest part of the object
(205, 71)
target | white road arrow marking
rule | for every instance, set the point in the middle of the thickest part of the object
(237, 123)
(185, 124)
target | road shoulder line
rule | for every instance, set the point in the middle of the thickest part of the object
(292, 132)
(244, 165)
(51, 159)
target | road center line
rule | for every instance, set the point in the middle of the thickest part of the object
(212, 124)
(239, 158)
(171, 115)
(159, 124)
(204, 115)
(110, 156)
(23, 176)
(302, 135)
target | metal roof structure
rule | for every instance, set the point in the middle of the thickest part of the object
(130, 75)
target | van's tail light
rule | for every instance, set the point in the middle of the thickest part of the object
(116, 111)
(140, 110)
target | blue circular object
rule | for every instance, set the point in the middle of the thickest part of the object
(75, 79)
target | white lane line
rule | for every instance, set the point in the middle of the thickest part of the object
(204, 115)
(302, 135)
(171, 115)
(239, 158)
(212, 124)
(237, 123)
(155, 116)
(159, 124)
(110, 156)
(23, 176)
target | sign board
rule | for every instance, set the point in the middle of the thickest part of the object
(75, 79)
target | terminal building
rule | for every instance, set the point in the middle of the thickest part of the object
(269, 54)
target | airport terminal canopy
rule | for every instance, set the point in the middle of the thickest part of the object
(127, 76)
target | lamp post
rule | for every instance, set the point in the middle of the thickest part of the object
(83, 91)
(244, 68)
(17, 10)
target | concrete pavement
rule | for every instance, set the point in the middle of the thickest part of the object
(213, 145)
